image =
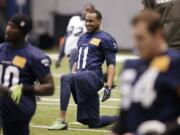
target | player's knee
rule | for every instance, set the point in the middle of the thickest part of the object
(67, 77)
(93, 125)
(63, 77)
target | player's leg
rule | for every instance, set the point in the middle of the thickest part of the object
(87, 87)
(66, 82)
(60, 123)
(16, 128)
(103, 121)
(73, 57)
(88, 114)
(81, 86)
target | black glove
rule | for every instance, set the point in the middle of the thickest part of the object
(107, 93)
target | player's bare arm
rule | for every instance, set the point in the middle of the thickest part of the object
(46, 86)
(111, 74)
(108, 86)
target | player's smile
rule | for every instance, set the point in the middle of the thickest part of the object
(89, 26)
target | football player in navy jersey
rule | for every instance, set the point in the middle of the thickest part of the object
(94, 47)
(21, 65)
(150, 85)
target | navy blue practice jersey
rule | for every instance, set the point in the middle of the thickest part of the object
(21, 66)
(149, 90)
(94, 49)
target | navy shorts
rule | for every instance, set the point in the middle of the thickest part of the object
(88, 111)
(84, 84)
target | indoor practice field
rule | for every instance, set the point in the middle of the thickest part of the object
(89, 67)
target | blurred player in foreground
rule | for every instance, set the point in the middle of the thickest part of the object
(94, 47)
(170, 18)
(21, 65)
(75, 29)
(150, 86)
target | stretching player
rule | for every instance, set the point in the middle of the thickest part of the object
(21, 65)
(94, 47)
(150, 86)
(75, 29)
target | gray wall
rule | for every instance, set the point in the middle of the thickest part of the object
(116, 15)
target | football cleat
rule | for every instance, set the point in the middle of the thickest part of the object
(59, 125)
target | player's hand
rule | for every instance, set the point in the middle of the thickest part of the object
(152, 127)
(57, 64)
(16, 93)
(3, 91)
(107, 93)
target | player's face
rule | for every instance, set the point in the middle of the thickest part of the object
(144, 41)
(92, 23)
(12, 33)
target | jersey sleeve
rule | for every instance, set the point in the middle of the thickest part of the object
(109, 48)
(41, 66)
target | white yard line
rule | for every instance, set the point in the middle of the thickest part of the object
(73, 105)
(75, 123)
(72, 129)
(57, 100)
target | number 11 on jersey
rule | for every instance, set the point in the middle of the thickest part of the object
(83, 52)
